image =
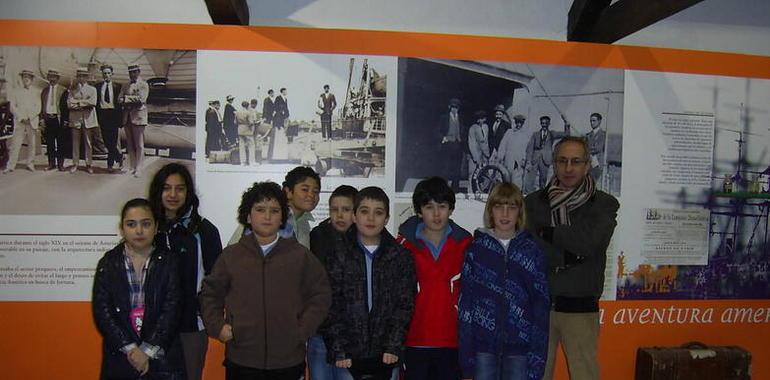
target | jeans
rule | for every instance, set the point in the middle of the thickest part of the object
(500, 367)
(320, 369)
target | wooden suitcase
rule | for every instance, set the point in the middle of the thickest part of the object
(693, 361)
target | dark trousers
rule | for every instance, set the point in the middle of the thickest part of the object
(451, 155)
(54, 141)
(432, 363)
(231, 133)
(114, 155)
(109, 122)
(373, 368)
(237, 372)
(215, 140)
(326, 125)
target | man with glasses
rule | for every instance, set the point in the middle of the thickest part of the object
(574, 222)
(539, 153)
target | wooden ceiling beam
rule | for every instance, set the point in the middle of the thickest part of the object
(228, 12)
(620, 19)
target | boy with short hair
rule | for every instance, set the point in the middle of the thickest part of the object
(301, 186)
(438, 247)
(266, 294)
(373, 286)
(323, 239)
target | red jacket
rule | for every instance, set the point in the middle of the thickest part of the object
(434, 322)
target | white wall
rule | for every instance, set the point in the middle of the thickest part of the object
(543, 19)
(740, 26)
(177, 11)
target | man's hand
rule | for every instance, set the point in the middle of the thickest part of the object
(226, 334)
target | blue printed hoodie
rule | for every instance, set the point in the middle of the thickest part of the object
(504, 302)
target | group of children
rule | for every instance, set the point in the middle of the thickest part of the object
(347, 297)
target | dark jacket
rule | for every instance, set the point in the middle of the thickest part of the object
(180, 239)
(495, 137)
(274, 303)
(504, 305)
(64, 110)
(324, 240)
(109, 118)
(268, 109)
(111, 307)
(355, 332)
(588, 235)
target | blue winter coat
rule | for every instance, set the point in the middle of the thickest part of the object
(504, 303)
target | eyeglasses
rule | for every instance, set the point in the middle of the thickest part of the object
(574, 161)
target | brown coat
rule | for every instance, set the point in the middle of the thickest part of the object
(274, 303)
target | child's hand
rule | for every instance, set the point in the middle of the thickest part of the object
(139, 360)
(226, 333)
(344, 363)
(389, 358)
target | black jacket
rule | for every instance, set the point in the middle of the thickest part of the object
(354, 332)
(111, 307)
(181, 241)
(325, 240)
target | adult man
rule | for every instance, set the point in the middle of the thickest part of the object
(54, 115)
(574, 222)
(278, 147)
(511, 152)
(268, 106)
(498, 128)
(597, 137)
(109, 115)
(25, 107)
(214, 134)
(281, 109)
(540, 153)
(82, 105)
(451, 148)
(245, 118)
(133, 99)
(326, 103)
(229, 124)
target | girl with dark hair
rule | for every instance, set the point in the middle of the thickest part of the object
(135, 302)
(196, 242)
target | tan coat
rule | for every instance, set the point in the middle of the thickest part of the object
(133, 98)
(82, 104)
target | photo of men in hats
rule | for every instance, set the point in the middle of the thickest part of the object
(54, 116)
(450, 130)
(83, 122)
(215, 137)
(133, 99)
(25, 107)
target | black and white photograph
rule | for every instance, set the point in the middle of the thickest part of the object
(81, 129)
(478, 123)
(269, 112)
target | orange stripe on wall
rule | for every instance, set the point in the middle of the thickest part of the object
(45, 340)
(177, 36)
